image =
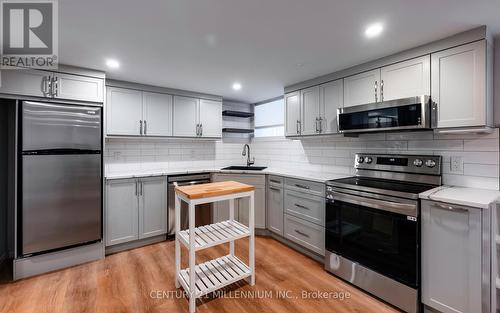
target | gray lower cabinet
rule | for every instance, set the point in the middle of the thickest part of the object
(221, 209)
(306, 234)
(121, 211)
(135, 209)
(275, 204)
(308, 207)
(452, 258)
(152, 207)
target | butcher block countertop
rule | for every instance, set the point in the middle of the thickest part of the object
(213, 189)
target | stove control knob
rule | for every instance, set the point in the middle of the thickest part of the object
(360, 160)
(418, 162)
(430, 163)
(368, 160)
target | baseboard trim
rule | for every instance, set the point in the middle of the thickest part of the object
(44, 263)
(134, 244)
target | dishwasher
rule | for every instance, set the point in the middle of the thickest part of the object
(203, 212)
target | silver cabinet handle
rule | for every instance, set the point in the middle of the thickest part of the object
(136, 188)
(140, 127)
(56, 86)
(301, 206)
(301, 233)
(298, 127)
(382, 90)
(320, 119)
(302, 186)
(142, 188)
(317, 128)
(201, 129)
(275, 181)
(274, 188)
(449, 207)
(145, 127)
(198, 130)
(376, 87)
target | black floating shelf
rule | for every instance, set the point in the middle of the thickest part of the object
(237, 113)
(237, 130)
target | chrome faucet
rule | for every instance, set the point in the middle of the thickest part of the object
(244, 153)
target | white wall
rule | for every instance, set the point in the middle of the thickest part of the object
(335, 154)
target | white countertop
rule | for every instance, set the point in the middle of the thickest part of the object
(312, 176)
(472, 197)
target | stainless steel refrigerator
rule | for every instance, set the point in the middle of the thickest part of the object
(61, 176)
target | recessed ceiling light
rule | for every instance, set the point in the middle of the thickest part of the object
(374, 30)
(236, 86)
(112, 63)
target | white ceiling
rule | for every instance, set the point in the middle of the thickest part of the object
(206, 45)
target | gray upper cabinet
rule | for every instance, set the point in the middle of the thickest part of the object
(331, 98)
(309, 100)
(25, 82)
(292, 114)
(46, 84)
(451, 257)
(81, 88)
(123, 112)
(185, 116)
(131, 112)
(121, 212)
(157, 114)
(152, 207)
(362, 88)
(275, 207)
(460, 86)
(406, 79)
(195, 117)
(210, 118)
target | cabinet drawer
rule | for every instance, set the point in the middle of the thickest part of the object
(249, 179)
(276, 181)
(310, 187)
(306, 234)
(305, 206)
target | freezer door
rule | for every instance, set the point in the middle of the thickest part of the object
(61, 202)
(49, 126)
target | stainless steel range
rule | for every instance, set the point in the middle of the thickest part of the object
(372, 225)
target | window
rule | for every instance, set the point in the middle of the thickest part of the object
(269, 119)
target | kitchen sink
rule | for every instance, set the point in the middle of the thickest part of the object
(245, 168)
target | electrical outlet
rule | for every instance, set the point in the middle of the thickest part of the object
(456, 164)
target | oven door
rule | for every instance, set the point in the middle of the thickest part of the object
(379, 234)
(400, 114)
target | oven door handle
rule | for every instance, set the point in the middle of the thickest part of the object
(395, 207)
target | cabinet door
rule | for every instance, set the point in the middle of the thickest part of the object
(25, 82)
(123, 111)
(292, 114)
(153, 206)
(451, 257)
(122, 209)
(331, 98)
(259, 208)
(157, 108)
(362, 88)
(81, 88)
(210, 118)
(406, 79)
(275, 209)
(459, 85)
(309, 99)
(185, 116)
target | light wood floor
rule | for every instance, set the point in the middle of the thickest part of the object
(126, 281)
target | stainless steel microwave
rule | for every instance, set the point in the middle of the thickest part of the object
(402, 114)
